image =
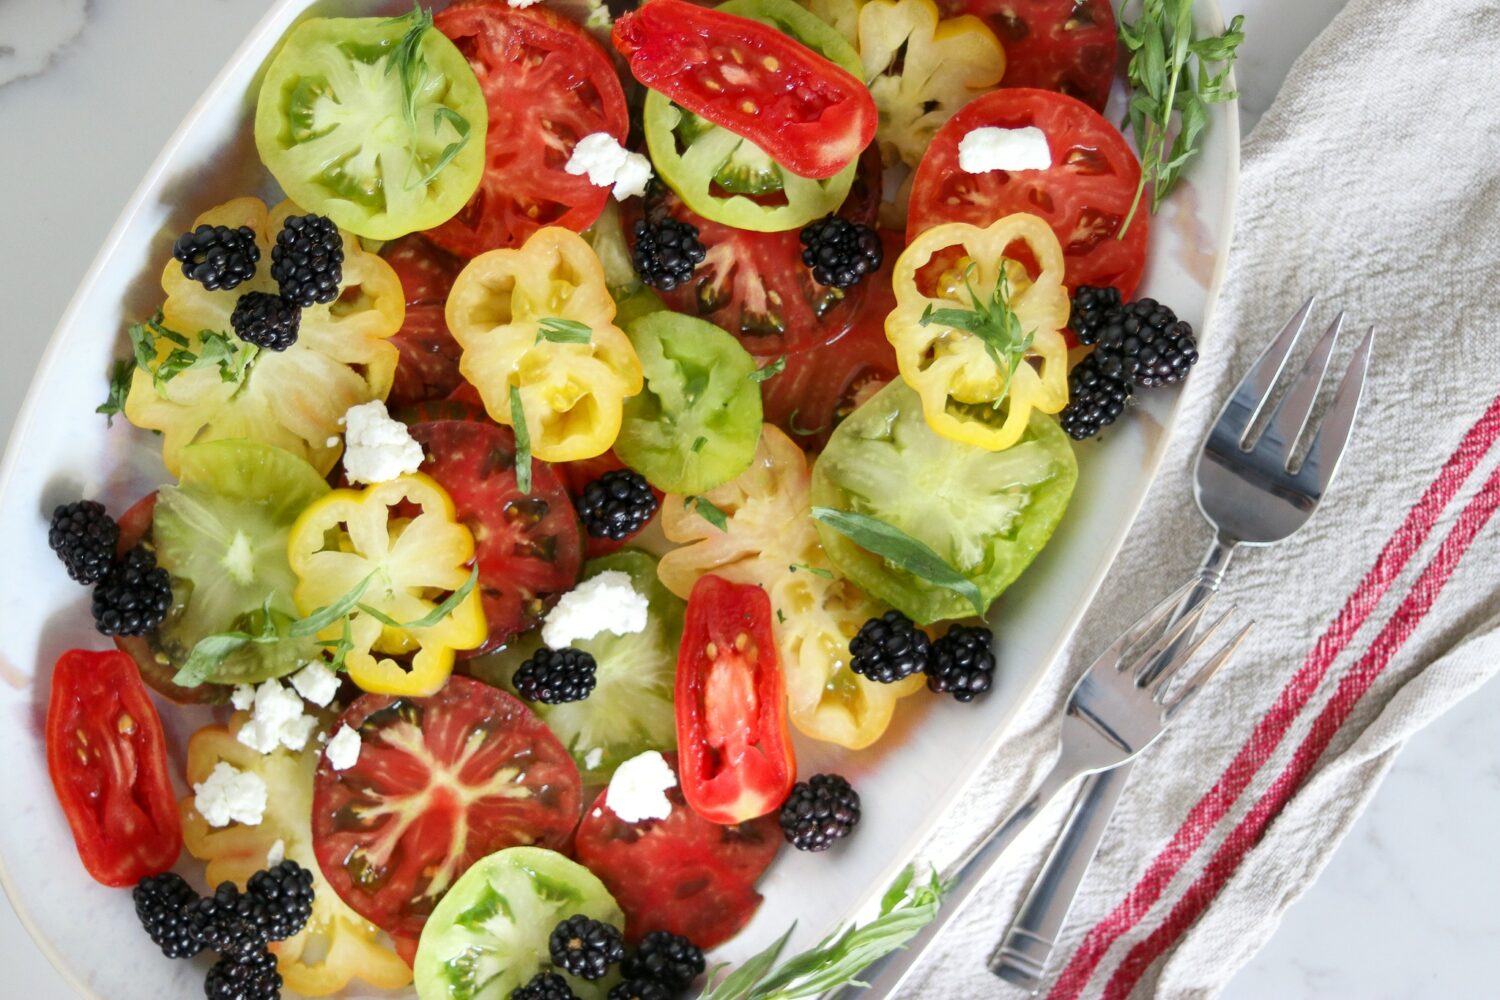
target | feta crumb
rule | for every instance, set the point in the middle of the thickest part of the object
(343, 749)
(229, 795)
(378, 448)
(639, 788)
(243, 697)
(593, 758)
(277, 854)
(604, 603)
(989, 148)
(521, 4)
(610, 164)
(316, 683)
(277, 721)
(333, 441)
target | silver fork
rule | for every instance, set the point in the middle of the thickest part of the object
(1252, 493)
(1114, 712)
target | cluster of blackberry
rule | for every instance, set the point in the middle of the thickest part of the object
(890, 648)
(1139, 344)
(661, 967)
(131, 593)
(276, 904)
(307, 264)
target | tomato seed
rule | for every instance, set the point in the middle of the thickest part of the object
(711, 651)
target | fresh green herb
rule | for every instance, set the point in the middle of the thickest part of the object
(901, 549)
(770, 371)
(994, 322)
(814, 570)
(341, 647)
(1165, 91)
(432, 617)
(706, 510)
(408, 63)
(699, 442)
(232, 355)
(791, 423)
(210, 651)
(780, 618)
(837, 960)
(462, 127)
(325, 616)
(120, 375)
(563, 331)
(523, 441)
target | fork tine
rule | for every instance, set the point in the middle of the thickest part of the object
(1290, 416)
(1145, 625)
(1158, 685)
(1327, 447)
(1254, 391)
(1145, 663)
(1206, 672)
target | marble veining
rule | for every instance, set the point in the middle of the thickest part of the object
(34, 33)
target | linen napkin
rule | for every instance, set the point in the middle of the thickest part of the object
(1374, 180)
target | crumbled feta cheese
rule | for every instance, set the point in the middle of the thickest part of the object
(989, 148)
(378, 448)
(604, 603)
(520, 4)
(343, 749)
(639, 788)
(243, 697)
(593, 758)
(277, 854)
(610, 164)
(229, 795)
(277, 721)
(333, 441)
(316, 683)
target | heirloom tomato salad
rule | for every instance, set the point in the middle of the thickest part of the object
(606, 404)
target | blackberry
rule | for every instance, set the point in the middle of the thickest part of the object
(218, 257)
(616, 505)
(586, 947)
(1090, 304)
(839, 252)
(1144, 343)
(641, 989)
(266, 320)
(134, 596)
(555, 676)
(962, 663)
(279, 900)
(668, 958)
(160, 903)
(1095, 400)
(545, 986)
(223, 922)
(888, 648)
(308, 260)
(818, 812)
(666, 251)
(84, 535)
(251, 976)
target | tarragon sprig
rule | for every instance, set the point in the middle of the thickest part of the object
(408, 63)
(1169, 101)
(231, 355)
(992, 320)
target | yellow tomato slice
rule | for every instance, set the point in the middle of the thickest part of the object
(571, 392)
(356, 539)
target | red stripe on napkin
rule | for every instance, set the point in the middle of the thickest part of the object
(1211, 809)
(1351, 688)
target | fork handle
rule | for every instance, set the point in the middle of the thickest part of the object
(1027, 947)
(888, 974)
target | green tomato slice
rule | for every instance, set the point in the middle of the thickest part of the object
(630, 710)
(729, 179)
(335, 127)
(696, 422)
(221, 533)
(488, 936)
(987, 514)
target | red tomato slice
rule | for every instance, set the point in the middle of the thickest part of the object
(528, 546)
(681, 874)
(428, 364)
(576, 476)
(754, 285)
(1068, 46)
(440, 783)
(547, 84)
(810, 115)
(736, 752)
(108, 761)
(821, 386)
(426, 271)
(1084, 196)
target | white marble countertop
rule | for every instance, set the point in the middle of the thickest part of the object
(91, 89)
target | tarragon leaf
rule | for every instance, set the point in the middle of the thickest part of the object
(523, 441)
(708, 511)
(563, 331)
(902, 550)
